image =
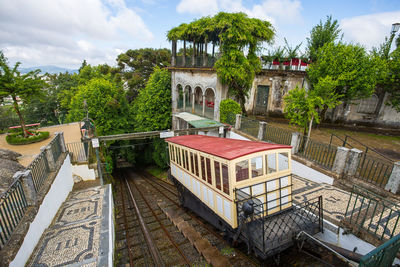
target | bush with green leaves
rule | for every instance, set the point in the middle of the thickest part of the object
(228, 110)
(19, 139)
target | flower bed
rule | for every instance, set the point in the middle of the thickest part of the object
(19, 139)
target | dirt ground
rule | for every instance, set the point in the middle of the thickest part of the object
(71, 134)
(385, 144)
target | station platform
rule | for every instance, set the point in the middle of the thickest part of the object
(81, 233)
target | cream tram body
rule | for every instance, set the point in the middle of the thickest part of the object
(212, 168)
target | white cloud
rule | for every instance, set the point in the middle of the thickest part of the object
(67, 31)
(286, 11)
(204, 7)
(369, 30)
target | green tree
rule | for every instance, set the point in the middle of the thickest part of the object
(321, 34)
(391, 81)
(228, 108)
(136, 66)
(303, 107)
(106, 104)
(152, 109)
(17, 85)
(353, 70)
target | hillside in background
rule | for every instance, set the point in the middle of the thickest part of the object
(48, 69)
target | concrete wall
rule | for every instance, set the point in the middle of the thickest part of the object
(378, 114)
(57, 194)
(280, 83)
(83, 172)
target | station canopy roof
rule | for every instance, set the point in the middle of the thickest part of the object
(223, 147)
(197, 121)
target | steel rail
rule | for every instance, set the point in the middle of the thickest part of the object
(128, 242)
(206, 226)
(162, 226)
(155, 254)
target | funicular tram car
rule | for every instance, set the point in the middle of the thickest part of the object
(243, 188)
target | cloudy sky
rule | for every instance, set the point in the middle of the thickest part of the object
(65, 32)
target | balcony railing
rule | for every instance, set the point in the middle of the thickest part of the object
(198, 62)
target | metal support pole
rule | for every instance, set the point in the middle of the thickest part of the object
(99, 166)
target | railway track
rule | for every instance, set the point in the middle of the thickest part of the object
(235, 256)
(144, 235)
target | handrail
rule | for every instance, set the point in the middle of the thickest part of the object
(366, 147)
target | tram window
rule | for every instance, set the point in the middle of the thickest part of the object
(217, 169)
(192, 162)
(172, 153)
(283, 161)
(203, 168)
(256, 166)
(271, 162)
(196, 164)
(242, 170)
(225, 178)
(208, 165)
(178, 156)
(187, 160)
(183, 159)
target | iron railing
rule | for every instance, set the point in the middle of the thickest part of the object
(55, 146)
(321, 153)
(199, 62)
(277, 135)
(78, 152)
(383, 255)
(39, 169)
(249, 126)
(374, 170)
(12, 209)
(370, 212)
(272, 234)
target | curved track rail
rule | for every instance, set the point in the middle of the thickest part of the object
(144, 236)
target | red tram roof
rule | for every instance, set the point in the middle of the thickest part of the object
(223, 147)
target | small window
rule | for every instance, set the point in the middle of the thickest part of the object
(192, 162)
(208, 165)
(271, 162)
(217, 169)
(178, 156)
(187, 160)
(225, 178)
(283, 161)
(203, 168)
(256, 166)
(196, 164)
(242, 170)
(183, 159)
(172, 151)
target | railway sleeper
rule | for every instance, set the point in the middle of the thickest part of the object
(210, 253)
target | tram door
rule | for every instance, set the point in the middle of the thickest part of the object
(261, 105)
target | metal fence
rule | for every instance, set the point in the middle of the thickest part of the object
(277, 135)
(321, 153)
(374, 170)
(78, 152)
(13, 202)
(198, 61)
(249, 126)
(383, 255)
(370, 212)
(12, 208)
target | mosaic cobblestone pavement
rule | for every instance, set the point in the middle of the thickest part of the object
(74, 238)
(334, 201)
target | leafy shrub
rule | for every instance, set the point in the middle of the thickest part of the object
(19, 139)
(228, 110)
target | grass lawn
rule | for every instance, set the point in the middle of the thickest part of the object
(387, 145)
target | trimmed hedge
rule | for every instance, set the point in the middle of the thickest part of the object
(19, 139)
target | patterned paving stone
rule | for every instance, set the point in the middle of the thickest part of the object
(79, 235)
(67, 245)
